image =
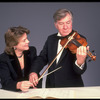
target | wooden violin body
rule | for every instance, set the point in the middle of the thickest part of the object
(75, 43)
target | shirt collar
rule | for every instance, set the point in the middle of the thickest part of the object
(58, 34)
(67, 35)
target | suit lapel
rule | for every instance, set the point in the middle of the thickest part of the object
(27, 62)
(16, 66)
(62, 56)
(54, 51)
(55, 46)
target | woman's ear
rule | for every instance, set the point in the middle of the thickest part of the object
(14, 48)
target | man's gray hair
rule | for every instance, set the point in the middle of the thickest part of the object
(61, 13)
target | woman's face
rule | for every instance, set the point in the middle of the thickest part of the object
(23, 43)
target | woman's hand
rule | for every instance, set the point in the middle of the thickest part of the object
(24, 85)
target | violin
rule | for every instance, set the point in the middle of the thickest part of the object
(75, 43)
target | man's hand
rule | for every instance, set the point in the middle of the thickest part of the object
(33, 78)
(81, 54)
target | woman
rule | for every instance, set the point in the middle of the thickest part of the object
(17, 59)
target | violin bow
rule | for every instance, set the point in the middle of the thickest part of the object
(69, 39)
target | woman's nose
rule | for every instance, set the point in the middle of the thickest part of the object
(28, 41)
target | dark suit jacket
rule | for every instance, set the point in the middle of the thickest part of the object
(10, 71)
(69, 75)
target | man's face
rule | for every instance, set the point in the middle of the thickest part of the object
(64, 25)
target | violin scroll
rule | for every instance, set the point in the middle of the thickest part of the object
(92, 56)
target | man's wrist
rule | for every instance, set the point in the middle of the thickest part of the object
(80, 66)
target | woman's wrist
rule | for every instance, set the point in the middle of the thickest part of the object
(18, 85)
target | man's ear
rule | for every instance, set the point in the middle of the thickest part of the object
(55, 24)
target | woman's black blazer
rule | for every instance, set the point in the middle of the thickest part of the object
(10, 70)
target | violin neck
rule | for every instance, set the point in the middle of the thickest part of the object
(76, 42)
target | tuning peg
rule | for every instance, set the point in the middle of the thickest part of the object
(89, 60)
(92, 51)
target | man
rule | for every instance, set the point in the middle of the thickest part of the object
(72, 65)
